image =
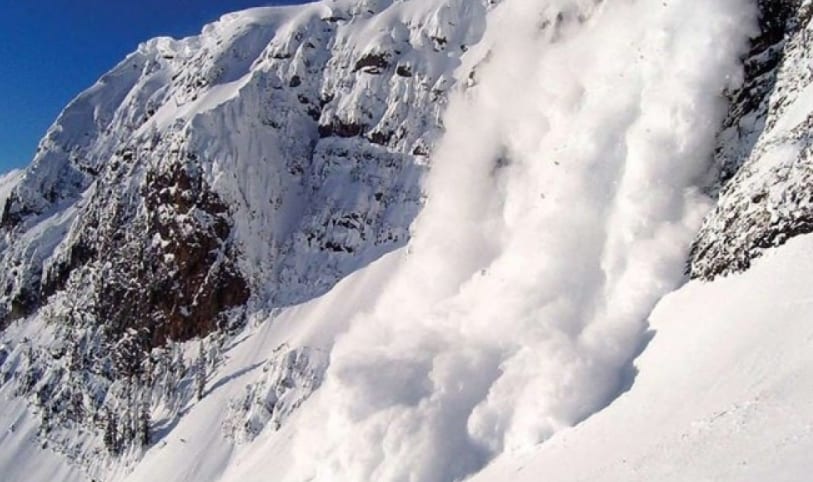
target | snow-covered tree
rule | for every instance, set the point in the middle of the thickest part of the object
(144, 422)
(200, 371)
(111, 433)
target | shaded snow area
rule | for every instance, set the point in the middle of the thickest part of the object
(23, 457)
(723, 392)
(210, 441)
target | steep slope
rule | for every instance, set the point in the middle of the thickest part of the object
(206, 180)
(193, 271)
(269, 114)
(722, 392)
(555, 221)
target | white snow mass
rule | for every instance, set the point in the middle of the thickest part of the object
(561, 204)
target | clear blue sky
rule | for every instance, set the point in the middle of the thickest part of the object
(50, 50)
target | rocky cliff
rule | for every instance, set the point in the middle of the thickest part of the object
(764, 194)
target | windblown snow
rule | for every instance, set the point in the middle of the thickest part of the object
(562, 202)
(722, 392)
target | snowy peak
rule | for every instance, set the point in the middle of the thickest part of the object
(206, 181)
(272, 109)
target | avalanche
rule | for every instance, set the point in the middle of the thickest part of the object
(722, 392)
(562, 202)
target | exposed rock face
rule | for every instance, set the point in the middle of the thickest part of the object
(187, 265)
(159, 259)
(766, 151)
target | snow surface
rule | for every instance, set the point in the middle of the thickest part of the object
(723, 392)
(199, 438)
(22, 457)
(7, 183)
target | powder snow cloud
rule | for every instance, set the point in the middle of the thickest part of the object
(561, 204)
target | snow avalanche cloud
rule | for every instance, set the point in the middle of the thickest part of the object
(562, 201)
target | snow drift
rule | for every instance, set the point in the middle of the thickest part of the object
(562, 202)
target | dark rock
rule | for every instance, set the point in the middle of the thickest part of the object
(373, 63)
(338, 128)
(404, 71)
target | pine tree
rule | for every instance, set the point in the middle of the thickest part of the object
(111, 434)
(200, 371)
(147, 373)
(76, 407)
(176, 370)
(45, 420)
(144, 423)
(128, 355)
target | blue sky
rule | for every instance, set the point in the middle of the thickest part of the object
(50, 50)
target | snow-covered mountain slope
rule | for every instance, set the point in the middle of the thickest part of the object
(719, 394)
(722, 393)
(195, 268)
(206, 180)
(269, 114)
(24, 457)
